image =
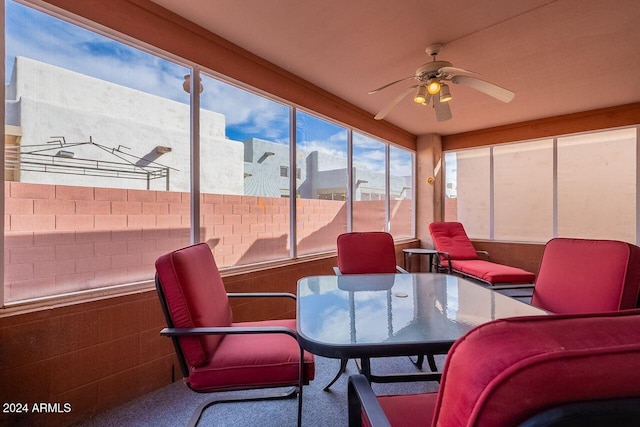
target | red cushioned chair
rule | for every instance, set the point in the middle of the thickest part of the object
(585, 275)
(461, 257)
(215, 353)
(371, 252)
(558, 370)
(368, 252)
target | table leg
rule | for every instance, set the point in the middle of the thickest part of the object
(365, 367)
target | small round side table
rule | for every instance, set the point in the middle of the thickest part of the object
(408, 255)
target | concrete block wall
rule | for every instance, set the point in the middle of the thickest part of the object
(61, 239)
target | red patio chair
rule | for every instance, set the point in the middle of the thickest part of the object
(368, 252)
(559, 370)
(215, 353)
(585, 275)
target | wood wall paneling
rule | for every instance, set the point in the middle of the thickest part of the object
(624, 115)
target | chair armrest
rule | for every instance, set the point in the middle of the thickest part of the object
(260, 295)
(440, 256)
(337, 271)
(228, 330)
(485, 253)
(361, 398)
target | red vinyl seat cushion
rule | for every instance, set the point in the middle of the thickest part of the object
(237, 364)
(492, 272)
(407, 410)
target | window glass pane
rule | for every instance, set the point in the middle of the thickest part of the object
(450, 186)
(97, 149)
(523, 191)
(321, 158)
(596, 185)
(244, 174)
(467, 182)
(401, 188)
(369, 189)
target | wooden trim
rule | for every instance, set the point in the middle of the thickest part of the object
(150, 23)
(623, 115)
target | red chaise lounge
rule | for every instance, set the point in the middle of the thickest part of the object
(462, 258)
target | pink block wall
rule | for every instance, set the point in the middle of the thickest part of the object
(61, 238)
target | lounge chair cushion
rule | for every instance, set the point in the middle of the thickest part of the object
(450, 237)
(492, 272)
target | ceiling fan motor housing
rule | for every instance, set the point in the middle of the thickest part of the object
(430, 69)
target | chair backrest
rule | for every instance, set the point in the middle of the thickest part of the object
(582, 276)
(506, 371)
(192, 294)
(450, 237)
(366, 253)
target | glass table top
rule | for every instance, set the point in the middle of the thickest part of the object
(388, 314)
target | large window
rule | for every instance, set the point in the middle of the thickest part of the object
(369, 184)
(523, 191)
(581, 186)
(97, 158)
(321, 155)
(101, 180)
(468, 190)
(244, 174)
(401, 197)
(597, 187)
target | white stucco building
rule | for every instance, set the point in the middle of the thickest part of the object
(66, 128)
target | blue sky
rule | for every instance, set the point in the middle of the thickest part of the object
(41, 37)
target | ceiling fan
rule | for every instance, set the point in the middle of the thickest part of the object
(432, 86)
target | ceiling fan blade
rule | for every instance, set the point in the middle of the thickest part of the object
(393, 103)
(490, 89)
(443, 112)
(450, 71)
(390, 84)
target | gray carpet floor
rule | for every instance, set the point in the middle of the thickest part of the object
(174, 404)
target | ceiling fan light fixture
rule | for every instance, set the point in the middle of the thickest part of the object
(433, 86)
(421, 95)
(445, 95)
